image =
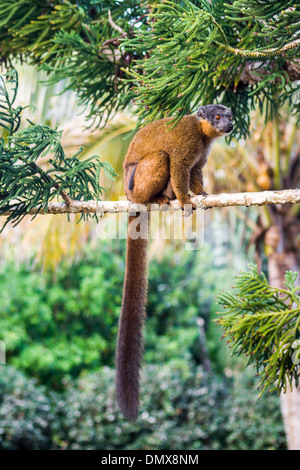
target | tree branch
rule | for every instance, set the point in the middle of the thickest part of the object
(260, 54)
(114, 25)
(288, 196)
(254, 71)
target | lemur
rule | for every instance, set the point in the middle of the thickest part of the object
(161, 164)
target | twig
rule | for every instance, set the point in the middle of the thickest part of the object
(114, 25)
(288, 196)
(265, 53)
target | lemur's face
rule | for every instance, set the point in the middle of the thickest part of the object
(218, 116)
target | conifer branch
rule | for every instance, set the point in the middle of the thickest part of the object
(263, 323)
(166, 58)
(196, 55)
(24, 185)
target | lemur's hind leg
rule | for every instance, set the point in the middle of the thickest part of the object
(145, 181)
(168, 191)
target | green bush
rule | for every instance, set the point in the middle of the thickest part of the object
(25, 413)
(181, 288)
(253, 423)
(54, 327)
(180, 409)
(58, 325)
(61, 329)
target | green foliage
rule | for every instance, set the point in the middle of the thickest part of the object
(191, 411)
(181, 288)
(25, 413)
(178, 411)
(75, 41)
(251, 423)
(58, 325)
(263, 323)
(195, 55)
(27, 28)
(279, 22)
(100, 91)
(173, 55)
(25, 185)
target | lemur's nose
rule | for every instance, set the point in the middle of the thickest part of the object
(230, 126)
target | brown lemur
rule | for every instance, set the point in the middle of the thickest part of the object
(161, 164)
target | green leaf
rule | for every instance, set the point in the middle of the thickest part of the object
(263, 323)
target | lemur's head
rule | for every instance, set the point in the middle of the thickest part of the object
(216, 119)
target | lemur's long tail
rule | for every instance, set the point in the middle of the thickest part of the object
(130, 336)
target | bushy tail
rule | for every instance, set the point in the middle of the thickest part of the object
(130, 336)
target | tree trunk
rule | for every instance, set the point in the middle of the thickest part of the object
(279, 263)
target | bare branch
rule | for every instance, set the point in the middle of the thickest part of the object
(254, 71)
(288, 196)
(114, 25)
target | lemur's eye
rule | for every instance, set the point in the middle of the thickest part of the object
(218, 117)
(229, 117)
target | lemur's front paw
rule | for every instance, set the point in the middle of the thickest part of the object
(188, 208)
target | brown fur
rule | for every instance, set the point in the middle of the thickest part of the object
(161, 155)
(130, 339)
(160, 165)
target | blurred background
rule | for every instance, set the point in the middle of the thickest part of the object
(61, 289)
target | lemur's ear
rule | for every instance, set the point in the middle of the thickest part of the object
(201, 113)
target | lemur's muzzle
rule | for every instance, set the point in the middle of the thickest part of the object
(228, 128)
